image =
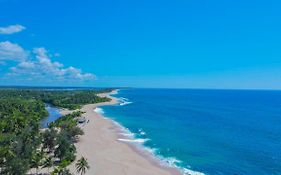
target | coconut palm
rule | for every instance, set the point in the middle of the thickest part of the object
(36, 161)
(49, 141)
(61, 171)
(66, 172)
(48, 163)
(82, 165)
(57, 171)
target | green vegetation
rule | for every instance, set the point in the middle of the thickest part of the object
(19, 136)
(82, 165)
(27, 148)
(70, 99)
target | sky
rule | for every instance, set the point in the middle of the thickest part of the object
(232, 44)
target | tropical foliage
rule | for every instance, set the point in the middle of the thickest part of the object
(71, 99)
(24, 146)
(82, 165)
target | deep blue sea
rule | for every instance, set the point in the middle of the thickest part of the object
(216, 132)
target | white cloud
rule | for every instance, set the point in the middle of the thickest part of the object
(12, 51)
(26, 64)
(35, 65)
(11, 29)
(41, 67)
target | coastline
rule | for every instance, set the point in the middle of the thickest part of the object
(108, 155)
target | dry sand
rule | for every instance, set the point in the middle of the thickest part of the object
(108, 156)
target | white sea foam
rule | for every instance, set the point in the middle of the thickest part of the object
(141, 132)
(171, 162)
(129, 137)
(151, 150)
(99, 110)
(123, 98)
(128, 134)
(124, 101)
(133, 140)
(125, 132)
(165, 161)
(186, 171)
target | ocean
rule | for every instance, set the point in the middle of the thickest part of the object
(215, 132)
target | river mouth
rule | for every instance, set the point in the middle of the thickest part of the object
(53, 115)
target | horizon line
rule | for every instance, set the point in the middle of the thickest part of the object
(124, 87)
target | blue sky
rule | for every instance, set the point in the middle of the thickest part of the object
(155, 43)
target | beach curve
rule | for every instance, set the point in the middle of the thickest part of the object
(104, 151)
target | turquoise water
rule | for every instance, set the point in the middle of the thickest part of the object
(216, 132)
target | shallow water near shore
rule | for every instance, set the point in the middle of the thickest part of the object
(209, 131)
(53, 114)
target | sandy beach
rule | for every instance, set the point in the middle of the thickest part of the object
(108, 156)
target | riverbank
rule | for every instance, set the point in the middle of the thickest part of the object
(105, 154)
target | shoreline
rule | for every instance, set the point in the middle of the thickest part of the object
(108, 155)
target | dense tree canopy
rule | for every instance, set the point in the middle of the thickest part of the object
(23, 144)
(71, 99)
(19, 136)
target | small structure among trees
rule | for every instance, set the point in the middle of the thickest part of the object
(81, 120)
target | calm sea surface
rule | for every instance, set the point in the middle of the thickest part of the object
(217, 132)
(54, 114)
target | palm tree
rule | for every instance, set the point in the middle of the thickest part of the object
(49, 141)
(61, 171)
(36, 161)
(82, 165)
(57, 170)
(48, 163)
(66, 172)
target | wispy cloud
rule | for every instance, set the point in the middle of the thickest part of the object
(11, 29)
